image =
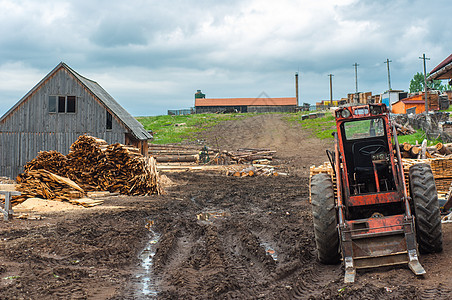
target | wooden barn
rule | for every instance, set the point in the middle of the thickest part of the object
(243, 105)
(54, 113)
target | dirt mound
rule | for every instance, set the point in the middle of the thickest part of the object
(295, 148)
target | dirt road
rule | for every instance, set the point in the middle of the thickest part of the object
(209, 237)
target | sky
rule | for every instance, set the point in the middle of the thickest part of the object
(152, 56)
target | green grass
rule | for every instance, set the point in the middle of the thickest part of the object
(321, 128)
(166, 132)
(418, 136)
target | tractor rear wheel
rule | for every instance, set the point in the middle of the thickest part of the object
(426, 209)
(324, 216)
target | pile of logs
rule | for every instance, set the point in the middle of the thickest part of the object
(179, 153)
(175, 153)
(403, 129)
(251, 154)
(254, 171)
(91, 165)
(422, 151)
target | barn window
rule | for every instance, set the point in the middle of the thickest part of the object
(70, 104)
(62, 104)
(109, 121)
(52, 104)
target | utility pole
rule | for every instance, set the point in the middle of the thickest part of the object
(356, 82)
(331, 88)
(389, 74)
(425, 82)
(296, 87)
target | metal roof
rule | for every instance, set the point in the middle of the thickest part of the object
(443, 70)
(246, 101)
(106, 99)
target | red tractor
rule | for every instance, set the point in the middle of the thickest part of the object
(364, 213)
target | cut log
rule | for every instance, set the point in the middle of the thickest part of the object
(442, 149)
(177, 158)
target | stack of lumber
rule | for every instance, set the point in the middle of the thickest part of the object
(86, 154)
(186, 153)
(126, 171)
(46, 185)
(91, 165)
(324, 168)
(442, 171)
(175, 153)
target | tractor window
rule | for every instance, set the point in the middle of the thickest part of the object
(364, 129)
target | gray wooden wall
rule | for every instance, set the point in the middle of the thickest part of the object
(30, 128)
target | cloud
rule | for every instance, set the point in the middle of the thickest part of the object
(154, 55)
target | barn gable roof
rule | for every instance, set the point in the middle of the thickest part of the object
(106, 99)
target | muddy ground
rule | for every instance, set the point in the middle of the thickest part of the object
(209, 237)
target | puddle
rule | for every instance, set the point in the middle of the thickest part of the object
(206, 216)
(269, 250)
(147, 280)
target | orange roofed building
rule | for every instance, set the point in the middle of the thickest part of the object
(243, 105)
(417, 101)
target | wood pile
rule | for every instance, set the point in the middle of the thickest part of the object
(126, 171)
(175, 153)
(254, 171)
(46, 185)
(440, 150)
(91, 165)
(403, 129)
(324, 168)
(251, 154)
(186, 153)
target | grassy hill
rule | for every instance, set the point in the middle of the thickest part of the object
(175, 129)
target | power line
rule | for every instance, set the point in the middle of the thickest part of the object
(425, 82)
(389, 74)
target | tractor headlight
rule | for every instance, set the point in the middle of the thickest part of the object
(345, 113)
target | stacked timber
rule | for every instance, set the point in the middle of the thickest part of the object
(324, 168)
(175, 153)
(86, 154)
(187, 153)
(126, 171)
(440, 150)
(92, 165)
(52, 161)
(46, 185)
(251, 154)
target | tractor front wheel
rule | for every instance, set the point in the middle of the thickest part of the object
(324, 216)
(426, 209)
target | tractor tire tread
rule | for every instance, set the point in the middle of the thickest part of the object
(426, 209)
(324, 217)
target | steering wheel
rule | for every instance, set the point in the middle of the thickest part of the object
(371, 150)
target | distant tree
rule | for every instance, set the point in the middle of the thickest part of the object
(417, 84)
